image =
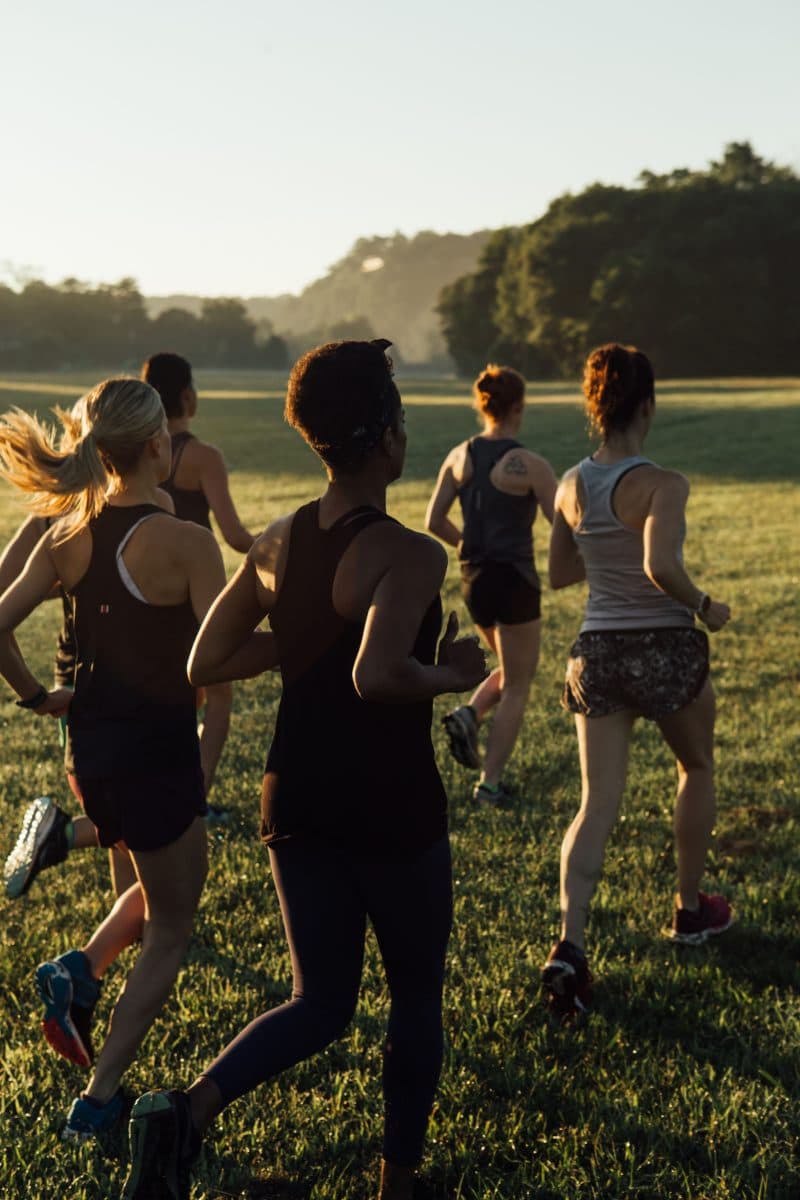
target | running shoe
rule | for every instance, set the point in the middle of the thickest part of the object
(692, 928)
(88, 1119)
(42, 843)
(567, 982)
(461, 727)
(163, 1145)
(69, 992)
(499, 796)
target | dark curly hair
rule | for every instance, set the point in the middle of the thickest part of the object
(341, 398)
(616, 379)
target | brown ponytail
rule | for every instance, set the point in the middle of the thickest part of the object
(616, 379)
(497, 391)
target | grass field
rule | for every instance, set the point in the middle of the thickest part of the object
(685, 1083)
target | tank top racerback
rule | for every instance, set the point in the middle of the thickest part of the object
(342, 770)
(620, 594)
(498, 527)
(133, 711)
(190, 504)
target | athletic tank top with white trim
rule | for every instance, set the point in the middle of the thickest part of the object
(134, 710)
(620, 594)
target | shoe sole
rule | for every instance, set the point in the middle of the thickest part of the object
(461, 746)
(558, 984)
(38, 821)
(697, 939)
(153, 1136)
(54, 983)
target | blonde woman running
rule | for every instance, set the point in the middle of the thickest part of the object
(500, 486)
(620, 523)
(140, 582)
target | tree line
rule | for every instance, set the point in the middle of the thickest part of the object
(75, 324)
(695, 267)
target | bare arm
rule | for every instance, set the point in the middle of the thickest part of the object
(662, 537)
(214, 730)
(444, 494)
(31, 587)
(565, 565)
(385, 668)
(214, 482)
(19, 550)
(228, 645)
(544, 484)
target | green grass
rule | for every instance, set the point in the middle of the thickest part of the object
(685, 1082)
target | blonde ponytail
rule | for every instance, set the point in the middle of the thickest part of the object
(101, 439)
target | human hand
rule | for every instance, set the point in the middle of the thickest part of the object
(57, 703)
(462, 656)
(716, 615)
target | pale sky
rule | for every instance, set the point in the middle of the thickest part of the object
(241, 147)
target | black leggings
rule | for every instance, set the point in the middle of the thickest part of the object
(326, 896)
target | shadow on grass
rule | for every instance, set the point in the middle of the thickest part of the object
(674, 1013)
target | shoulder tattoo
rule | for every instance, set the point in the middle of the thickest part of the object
(514, 466)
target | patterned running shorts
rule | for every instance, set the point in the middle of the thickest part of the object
(651, 672)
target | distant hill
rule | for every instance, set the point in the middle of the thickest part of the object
(384, 287)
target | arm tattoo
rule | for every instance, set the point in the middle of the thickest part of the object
(514, 466)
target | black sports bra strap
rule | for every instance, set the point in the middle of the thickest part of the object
(177, 455)
(357, 514)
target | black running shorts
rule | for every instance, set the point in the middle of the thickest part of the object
(496, 593)
(146, 812)
(651, 672)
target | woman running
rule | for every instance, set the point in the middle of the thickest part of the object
(198, 478)
(140, 581)
(620, 524)
(500, 485)
(48, 834)
(353, 809)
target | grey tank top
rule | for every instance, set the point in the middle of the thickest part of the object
(620, 594)
(498, 527)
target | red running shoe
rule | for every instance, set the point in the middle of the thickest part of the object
(692, 928)
(567, 982)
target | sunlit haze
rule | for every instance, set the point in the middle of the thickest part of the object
(241, 148)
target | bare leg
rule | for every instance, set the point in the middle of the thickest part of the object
(690, 735)
(487, 694)
(84, 834)
(171, 880)
(121, 928)
(518, 651)
(603, 746)
(206, 1102)
(123, 873)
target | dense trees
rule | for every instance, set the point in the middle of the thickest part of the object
(695, 267)
(73, 324)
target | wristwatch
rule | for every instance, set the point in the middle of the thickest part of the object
(703, 606)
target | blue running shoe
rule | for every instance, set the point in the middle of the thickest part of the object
(69, 992)
(163, 1145)
(42, 842)
(88, 1119)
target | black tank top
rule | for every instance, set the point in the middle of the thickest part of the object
(133, 711)
(64, 673)
(343, 770)
(498, 527)
(190, 505)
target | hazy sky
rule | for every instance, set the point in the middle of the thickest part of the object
(241, 147)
